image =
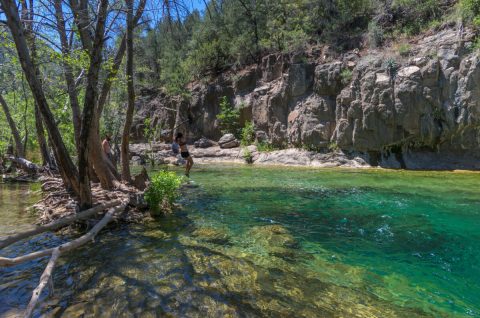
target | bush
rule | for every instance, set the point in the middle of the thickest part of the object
(229, 118)
(391, 67)
(266, 147)
(163, 190)
(404, 49)
(375, 35)
(470, 10)
(247, 156)
(248, 134)
(346, 76)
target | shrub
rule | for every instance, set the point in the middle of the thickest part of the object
(229, 118)
(248, 134)
(247, 156)
(346, 76)
(470, 7)
(375, 35)
(163, 190)
(266, 147)
(333, 147)
(476, 44)
(391, 67)
(404, 49)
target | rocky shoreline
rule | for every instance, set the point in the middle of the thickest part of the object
(161, 153)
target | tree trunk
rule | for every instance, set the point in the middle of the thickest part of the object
(19, 150)
(67, 169)
(42, 141)
(89, 107)
(99, 159)
(68, 72)
(125, 155)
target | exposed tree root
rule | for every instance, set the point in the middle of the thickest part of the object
(59, 203)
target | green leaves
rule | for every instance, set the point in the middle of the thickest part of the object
(163, 190)
(229, 118)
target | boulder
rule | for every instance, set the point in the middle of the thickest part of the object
(228, 141)
(203, 143)
(261, 136)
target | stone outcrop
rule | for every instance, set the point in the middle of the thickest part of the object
(228, 141)
(420, 111)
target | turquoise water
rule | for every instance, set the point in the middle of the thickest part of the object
(279, 242)
(409, 238)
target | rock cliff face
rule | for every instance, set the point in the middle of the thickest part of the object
(416, 111)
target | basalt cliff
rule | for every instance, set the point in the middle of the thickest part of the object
(416, 109)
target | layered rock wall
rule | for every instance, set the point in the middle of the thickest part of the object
(417, 111)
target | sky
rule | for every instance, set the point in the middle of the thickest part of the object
(198, 4)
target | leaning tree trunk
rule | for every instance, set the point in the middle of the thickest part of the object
(19, 150)
(124, 152)
(68, 72)
(42, 141)
(67, 169)
(88, 117)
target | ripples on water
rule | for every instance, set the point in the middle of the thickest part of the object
(271, 242)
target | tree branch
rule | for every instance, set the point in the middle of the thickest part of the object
(9, 240)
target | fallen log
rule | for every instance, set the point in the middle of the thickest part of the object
(44, 279)
(5, 261)
(57, 251)
(24, 164)
(9, 240)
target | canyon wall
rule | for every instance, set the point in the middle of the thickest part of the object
(419, 109)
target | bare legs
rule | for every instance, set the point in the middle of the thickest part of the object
(188, 166)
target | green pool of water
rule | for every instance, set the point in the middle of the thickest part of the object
(278, 242)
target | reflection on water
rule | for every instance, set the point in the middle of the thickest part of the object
(271, 242)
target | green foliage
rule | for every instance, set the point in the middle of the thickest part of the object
(266, 147)
(163, 190)
(229, 118)
(391, 67)
(313, 148)
(414, 15)
(470, 10)
(404, 49)
(476, 44)
(248, 134)
(346, 76)
(375, 35)
(247, 155)
(333, 147)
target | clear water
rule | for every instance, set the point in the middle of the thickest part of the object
(275, 242)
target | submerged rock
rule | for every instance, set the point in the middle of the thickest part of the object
(212, 235)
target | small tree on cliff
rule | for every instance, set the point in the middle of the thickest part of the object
(229, 118)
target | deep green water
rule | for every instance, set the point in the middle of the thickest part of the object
(277, 242)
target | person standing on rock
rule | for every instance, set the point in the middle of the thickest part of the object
(184, 153)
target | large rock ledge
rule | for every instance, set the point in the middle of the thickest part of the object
(161, 154)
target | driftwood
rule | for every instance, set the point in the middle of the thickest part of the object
(59, 203)
(5, 261)
(57, 251)
(24, 164)
(44, 279)
(8, 240)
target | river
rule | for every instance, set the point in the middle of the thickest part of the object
(271, 242)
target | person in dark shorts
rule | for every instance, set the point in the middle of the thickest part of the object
(184, 153)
